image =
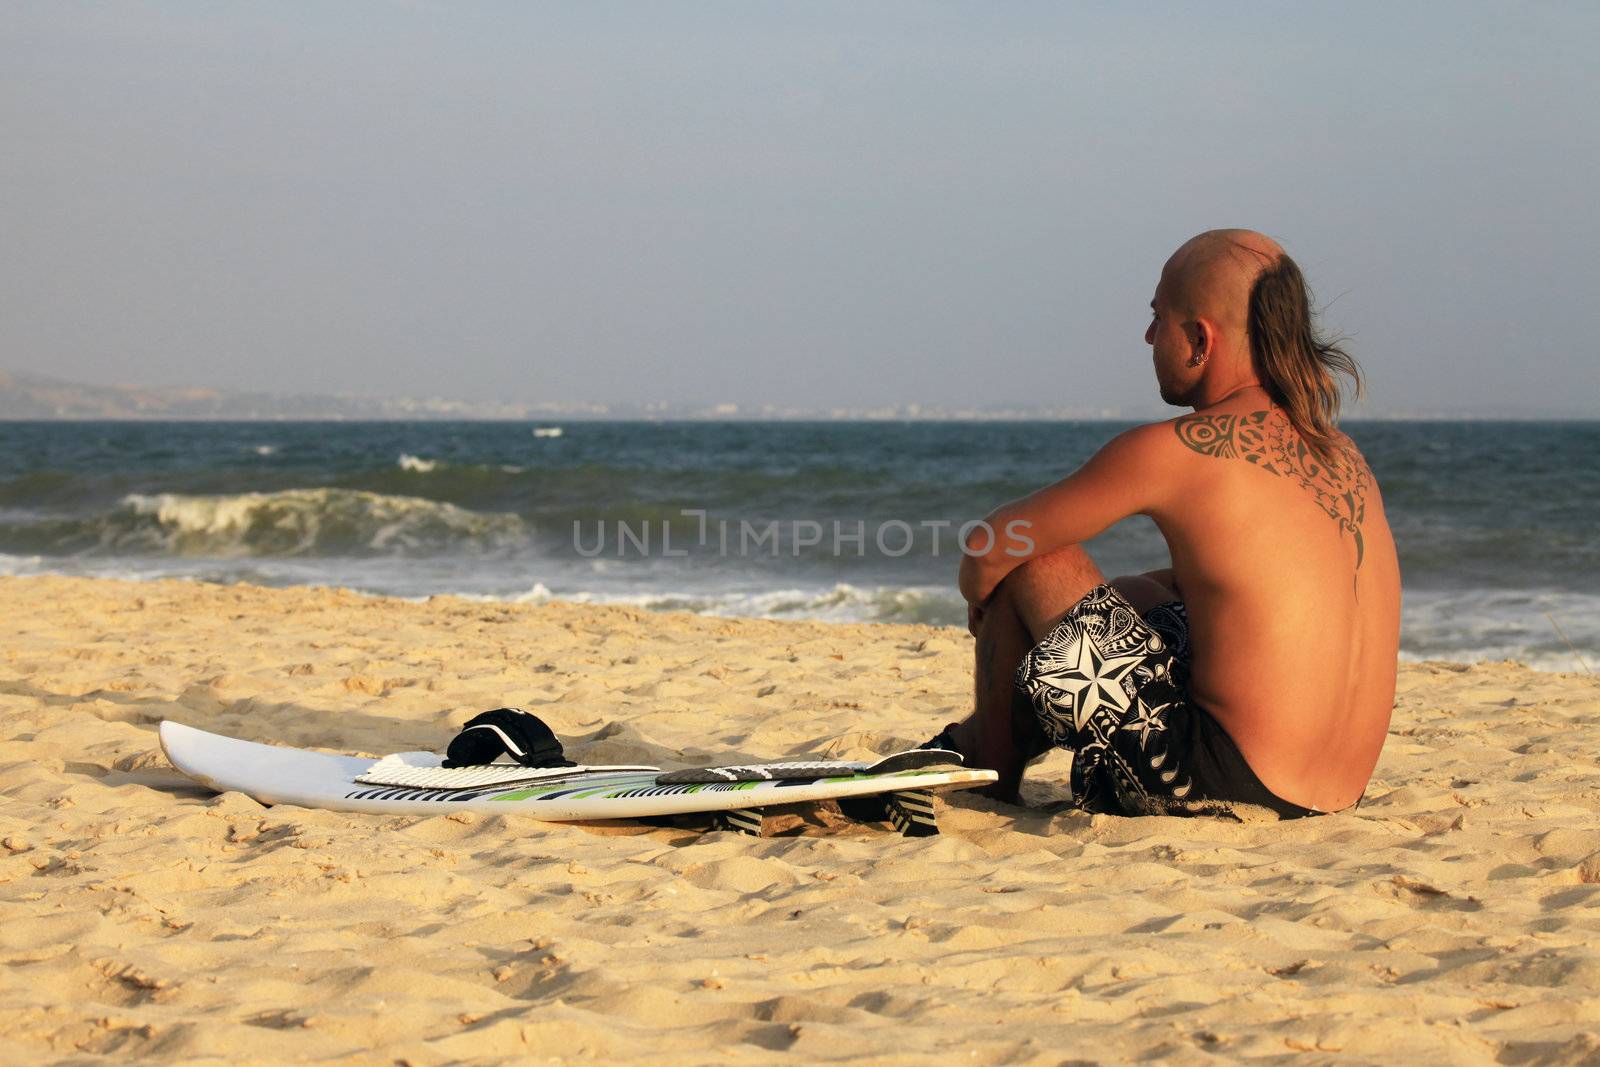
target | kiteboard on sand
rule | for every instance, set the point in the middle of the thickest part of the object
(897, 789)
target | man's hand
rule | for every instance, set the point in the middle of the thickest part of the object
(980, 576)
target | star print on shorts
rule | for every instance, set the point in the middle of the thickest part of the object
(1105, 683)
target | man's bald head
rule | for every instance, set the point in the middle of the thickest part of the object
(1211, 276)
(1201, 328)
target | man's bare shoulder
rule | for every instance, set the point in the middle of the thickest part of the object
(1339, 480)
(1152, 442)
(1232, 435)
(1267, 439)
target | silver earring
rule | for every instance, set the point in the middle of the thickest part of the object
(1197, 359)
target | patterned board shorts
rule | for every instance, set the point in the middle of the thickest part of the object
(1111, 685)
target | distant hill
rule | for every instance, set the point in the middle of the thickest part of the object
(25, 396)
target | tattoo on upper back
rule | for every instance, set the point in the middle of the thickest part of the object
(1268, 440)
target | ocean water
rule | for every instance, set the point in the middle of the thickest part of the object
(1496, 522)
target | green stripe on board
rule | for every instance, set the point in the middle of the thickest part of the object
(687, 789)
(534, 793)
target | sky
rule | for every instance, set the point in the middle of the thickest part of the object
(802, 204)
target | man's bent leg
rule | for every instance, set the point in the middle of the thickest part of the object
(1031, 600)
(1045, 589)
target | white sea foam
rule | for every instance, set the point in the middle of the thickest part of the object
(401, 546)
(1467, 627)
(296, 522)
(1551, 629)
(547, 431)
(839, 603)
(416, 464)
(16, 565)
(265, 450)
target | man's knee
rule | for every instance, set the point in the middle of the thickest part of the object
(1144, 591)
(1167, 578)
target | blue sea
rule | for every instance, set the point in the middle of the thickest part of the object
(848, 521)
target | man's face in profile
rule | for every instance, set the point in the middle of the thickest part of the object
(1169, 347)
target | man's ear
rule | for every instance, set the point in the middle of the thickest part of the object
(1202, 336)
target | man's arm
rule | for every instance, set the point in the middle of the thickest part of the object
(1128, 476)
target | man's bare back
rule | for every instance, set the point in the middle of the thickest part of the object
(1281, 561)
(1293, 595)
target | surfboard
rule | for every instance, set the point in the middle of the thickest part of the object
(272, 774)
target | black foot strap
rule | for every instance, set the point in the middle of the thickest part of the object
(506, 732)
(911, 813)
(740, 821)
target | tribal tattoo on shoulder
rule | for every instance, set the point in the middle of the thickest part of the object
(1268, 440)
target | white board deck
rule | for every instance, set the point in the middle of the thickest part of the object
(275, 775)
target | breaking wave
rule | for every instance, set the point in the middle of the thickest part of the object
(288, 523)
(416, 464)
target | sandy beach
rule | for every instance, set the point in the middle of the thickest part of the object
(1455, 917)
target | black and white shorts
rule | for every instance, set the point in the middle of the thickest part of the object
(1111, 685)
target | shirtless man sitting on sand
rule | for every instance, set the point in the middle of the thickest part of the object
(1260, 668)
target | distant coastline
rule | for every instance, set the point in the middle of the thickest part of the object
(26, 397)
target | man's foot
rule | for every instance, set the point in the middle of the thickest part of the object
(944, 740)
(961, 737)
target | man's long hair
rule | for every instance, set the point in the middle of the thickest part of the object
(1295, 363)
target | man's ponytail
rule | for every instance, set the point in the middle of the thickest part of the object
(1295, 364)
